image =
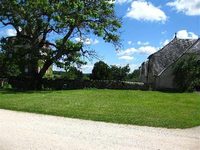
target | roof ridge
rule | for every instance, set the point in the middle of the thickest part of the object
(173, 40)
(163, 47)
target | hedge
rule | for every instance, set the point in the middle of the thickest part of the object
(63, 84)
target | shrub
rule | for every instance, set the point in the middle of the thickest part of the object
(187, 73)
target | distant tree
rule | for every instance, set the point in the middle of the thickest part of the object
(119, 73)
(101, 71)
(134, 76)
(72, 73)
(187, 73)
(36, 20)
(86, 77)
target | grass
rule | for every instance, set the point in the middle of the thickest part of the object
(148, 108)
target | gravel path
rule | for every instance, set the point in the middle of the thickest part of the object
(26, 131)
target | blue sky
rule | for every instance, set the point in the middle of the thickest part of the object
(147, 26)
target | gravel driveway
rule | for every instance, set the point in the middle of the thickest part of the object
(26, 131)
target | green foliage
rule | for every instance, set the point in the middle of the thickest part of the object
(15, 59)
(35, 20)
(134, 76)
(58, 74)
(187, 73)
(86, 77)
(1, 64)
(147, 108)
(6, 86)
(119, 73)
(101, 71)
(8, 68)
(73, 73)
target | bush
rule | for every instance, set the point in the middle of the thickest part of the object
(187, 73)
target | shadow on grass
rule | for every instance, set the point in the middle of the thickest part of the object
(12, 91)
(172, 92)
(177, 91)
(15, 91)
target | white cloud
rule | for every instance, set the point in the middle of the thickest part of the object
(164, 32)
(87, 41)
(164, 42)
(188, 7)
(147, 50)
(126, 57)
(128, 53)
(141, 50)
(119, 1)
(184, 34)
(134, 66)
(87, 68)
(146, 11)
(142, 43)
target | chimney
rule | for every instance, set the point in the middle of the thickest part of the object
(175, 35)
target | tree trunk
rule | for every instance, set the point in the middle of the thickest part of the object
(37, 83)
(46, 66)
(37, 77)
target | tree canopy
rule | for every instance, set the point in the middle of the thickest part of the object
(101, 71)
(119, 73)
(36, 21)
(72, 73)
(134, 76)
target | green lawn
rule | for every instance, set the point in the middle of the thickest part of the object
(149, 108)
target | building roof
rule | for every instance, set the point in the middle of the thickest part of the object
(170, 53)
(195, 48)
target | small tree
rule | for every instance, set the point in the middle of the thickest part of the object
(73, 73)
(119, 73)
(187, 73)
(101, 71)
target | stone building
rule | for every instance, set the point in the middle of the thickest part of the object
(157, 71)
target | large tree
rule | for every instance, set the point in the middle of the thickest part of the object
(36, 20)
